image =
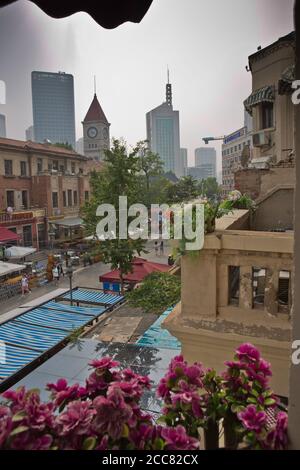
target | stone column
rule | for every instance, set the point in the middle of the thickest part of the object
(271, 291)
(246, 296)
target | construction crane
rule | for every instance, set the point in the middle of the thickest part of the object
(208, 139)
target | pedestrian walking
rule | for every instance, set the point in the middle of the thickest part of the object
(60, 270)
(55, 274)
(161, 248)
(156, 248)
(25, 285)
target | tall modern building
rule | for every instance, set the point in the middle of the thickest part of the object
(95, 131)
(53, 107)
(163, 133)
(184, 160)
(206, 156)
(2, 125)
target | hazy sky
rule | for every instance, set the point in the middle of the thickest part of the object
(206, 44)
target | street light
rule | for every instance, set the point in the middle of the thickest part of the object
(69, 273)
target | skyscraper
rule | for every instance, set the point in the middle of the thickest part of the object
(53, 107)
(184, 160)
(163, 133)
(2, 125)
(206, 159)
(95, 131)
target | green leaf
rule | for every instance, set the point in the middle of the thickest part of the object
(18, 430)
(269, 401)
(89, 443)
(159, 444)
(19, 416)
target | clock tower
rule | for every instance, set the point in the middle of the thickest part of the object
(95, 131)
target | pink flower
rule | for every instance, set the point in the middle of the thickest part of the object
(104, 363)
(248, 351)
(162, 389)
(278, 437)
(38, 415)
(252, 419)
(75, 419)
(112, 413)
(61, 392)
(177, 439)
(5, 423)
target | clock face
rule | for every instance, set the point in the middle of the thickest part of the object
(92, 132)
(105, 133)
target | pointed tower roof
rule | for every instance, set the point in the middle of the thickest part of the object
(95, 112)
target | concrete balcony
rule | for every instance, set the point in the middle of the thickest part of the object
(238, 289)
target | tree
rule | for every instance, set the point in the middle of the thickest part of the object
(157, 292)
(209, 187)
(120, 177)
(150, 163)
(65, 145)
(184, 190)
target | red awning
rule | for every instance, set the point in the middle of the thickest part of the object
(141, 269)
(7, 236)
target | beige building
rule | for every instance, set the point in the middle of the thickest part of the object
(238, 289)
(42, 176)
(273, 113)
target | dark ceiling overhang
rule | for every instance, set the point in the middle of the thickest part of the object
(108, 14)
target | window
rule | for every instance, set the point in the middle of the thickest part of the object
(283, 295)
(23, 167)
(27, 235)
(69, 197)
(72, 167)
(61, 168)
(10, 198)
(25, 199)
(267, 115)
(8, 167)
(234, 285)
(75, 198)
(235, 148)
(64, 199)
(240, 146)
(39, 165)
(55, 165)
(86, 195)
(258, 286)
(54, 200)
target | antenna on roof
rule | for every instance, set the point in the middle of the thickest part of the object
(95, 84)
(168, 74)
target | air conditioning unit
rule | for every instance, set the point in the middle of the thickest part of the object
(260, 139)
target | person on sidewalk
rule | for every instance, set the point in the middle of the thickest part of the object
(156, 248)
(55, 274)
(25, 285)
(161, 248)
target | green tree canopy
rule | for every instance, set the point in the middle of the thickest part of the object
(184, 190)
(210, 188)
(158, 292)
(120, 177)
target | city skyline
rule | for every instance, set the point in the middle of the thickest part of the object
(202, 88)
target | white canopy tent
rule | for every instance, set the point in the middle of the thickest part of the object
(8, 268)
(19, 251)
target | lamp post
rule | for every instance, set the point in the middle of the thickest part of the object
(70, 275)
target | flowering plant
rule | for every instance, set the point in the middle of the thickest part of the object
(106, 413)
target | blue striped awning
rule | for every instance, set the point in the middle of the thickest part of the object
(30, 336)
(93, 297)
(14, 359)
(94, 311)
(51, 319)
